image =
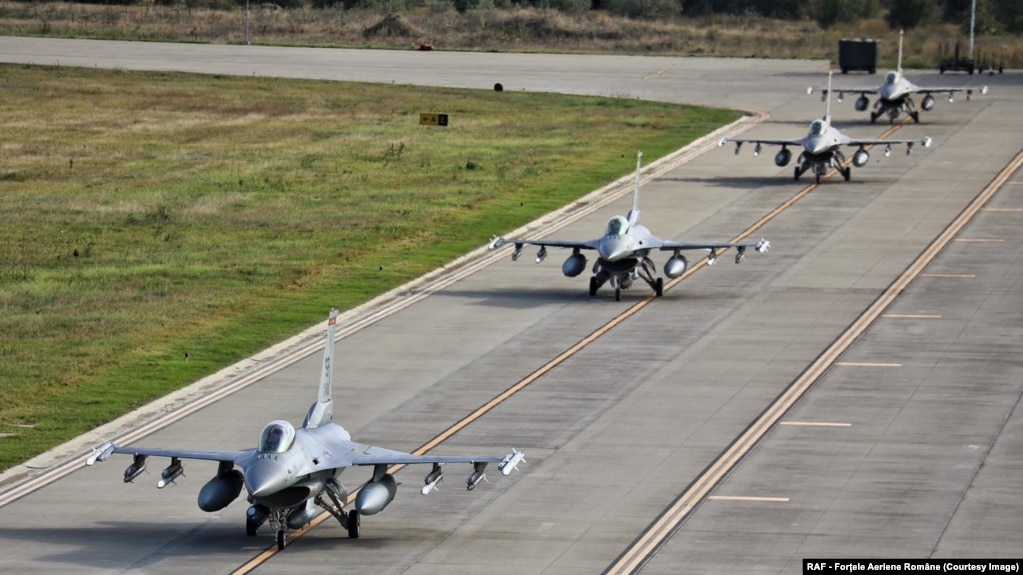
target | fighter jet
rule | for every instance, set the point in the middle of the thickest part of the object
(623, 251)
(293, 471)
(822, 148)
(895, 95)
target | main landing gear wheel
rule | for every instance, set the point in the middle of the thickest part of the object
(847, 173)
(873, 117)
(250, 528)
(280, 540)
(817, 177)
(618, 294)
(593, 286)
(797, 173)
(915, 116)
(659, 287)
(353, 524)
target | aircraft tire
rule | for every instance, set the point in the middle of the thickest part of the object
(873, 117)
(618, 294)
(280, 540)
(353, 524)
(847, 173)
(659, 287)
(818, 178)
(916, 117)
(797, 173)
(250, 528)
(593, 286)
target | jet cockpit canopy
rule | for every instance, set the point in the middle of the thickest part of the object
(816, 127)
(891, 77)
(276, 437)
(617, 226)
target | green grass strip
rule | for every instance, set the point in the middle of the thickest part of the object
(146, 215)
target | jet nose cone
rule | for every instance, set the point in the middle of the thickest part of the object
(816, 145)
(612, 249)
(265, 477)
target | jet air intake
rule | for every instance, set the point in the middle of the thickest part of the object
(375, 495)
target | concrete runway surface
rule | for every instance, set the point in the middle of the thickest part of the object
(851, 393)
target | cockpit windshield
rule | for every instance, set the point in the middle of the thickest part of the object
(276, 437)
(617, 226)
(816, 127)
(892, 77)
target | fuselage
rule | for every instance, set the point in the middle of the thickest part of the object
(895, 90)
(284, 475)
(623, 247)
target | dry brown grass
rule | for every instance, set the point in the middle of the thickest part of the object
(523, 30)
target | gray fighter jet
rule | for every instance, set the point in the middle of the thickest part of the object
(895, 96)
(623, 251)
(294, 471)
(822, 148)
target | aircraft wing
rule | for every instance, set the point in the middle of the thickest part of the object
(740, 141)
(925, 142)
(103, 452)
(381, 456)
(669, 246)
(712, 248)
(874, 90)
(949, 91)
(497, 242)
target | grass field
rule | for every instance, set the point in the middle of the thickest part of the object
(144, 216)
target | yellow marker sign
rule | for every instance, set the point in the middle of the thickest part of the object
(433, 119)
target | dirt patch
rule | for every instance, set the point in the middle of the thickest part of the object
(393, 25)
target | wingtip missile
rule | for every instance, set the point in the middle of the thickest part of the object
(762, 246)
(723, 141)
(511, 461)
(496, 242)
(101, 453)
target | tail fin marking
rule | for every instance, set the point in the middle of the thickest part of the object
(322, 412)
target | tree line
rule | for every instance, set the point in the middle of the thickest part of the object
(992, 16)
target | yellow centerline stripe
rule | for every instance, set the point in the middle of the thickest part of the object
(637, 554)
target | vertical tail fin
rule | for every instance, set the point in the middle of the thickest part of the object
(634, 213)
(827, 102)
(322, 412)
(898, 68)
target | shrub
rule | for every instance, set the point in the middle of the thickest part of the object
(648, 9)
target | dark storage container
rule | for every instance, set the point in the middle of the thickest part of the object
(857, 55)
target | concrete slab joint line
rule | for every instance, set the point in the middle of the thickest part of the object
(61, 460)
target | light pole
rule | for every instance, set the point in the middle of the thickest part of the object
(247, 42)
